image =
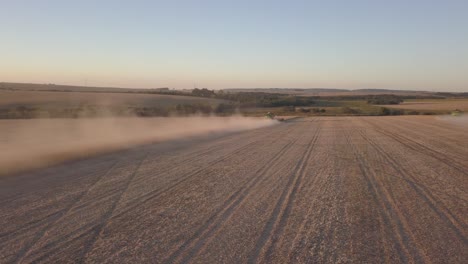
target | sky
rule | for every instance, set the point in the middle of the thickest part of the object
(398, 44)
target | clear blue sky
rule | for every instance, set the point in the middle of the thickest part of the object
(411, 44)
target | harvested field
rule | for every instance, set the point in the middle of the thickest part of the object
(324, 190)
(44, 104)
(34, 143)
(45, 99)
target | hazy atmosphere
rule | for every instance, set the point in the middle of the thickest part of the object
(417, 44)
(267, 132)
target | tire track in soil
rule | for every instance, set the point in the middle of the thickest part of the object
(398, 241)
(197, 156)
(334, 218)
(276, 234)
(275, 226)
(442, 136)
(57, 246)
(413, 180)
(437, 207)
(59, 215)
(95, 227)
(111, 215)
(300, 238)
(304, 229)
(337, 213)
(195, 243)
(429, 189)
(193, 158)
(432, 125)
(218, 146)
(388, 215)
(30, 225)
(158, 192)
(23, 253)
(420, 148)
(106, 217)
(36, 222)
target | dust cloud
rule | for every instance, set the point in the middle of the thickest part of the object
(32, 143)
(461, 120)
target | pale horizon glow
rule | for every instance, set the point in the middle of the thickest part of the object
(408, 45)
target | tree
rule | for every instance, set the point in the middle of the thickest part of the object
(203, 92)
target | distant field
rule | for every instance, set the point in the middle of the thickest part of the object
(20, 104)
(57, 99)
(50, 104)
(360, 107)
(436, 105)
(332, 92)
(330, 108)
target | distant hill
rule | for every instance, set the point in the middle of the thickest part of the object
(20, 100)
(330, 91)
(286, 90)
(325, 92)
(73, 88)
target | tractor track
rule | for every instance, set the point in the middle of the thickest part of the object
(283, 205)
(193, 157)
(202, 244)
(388, 214)
(436, 206)
(416, 146)
(285, 214)
(313, 190)
(97, 229)
(202, 235)
(26, 250)
(158, 192)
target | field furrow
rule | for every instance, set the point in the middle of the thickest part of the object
(309, 190)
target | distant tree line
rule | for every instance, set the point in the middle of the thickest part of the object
(385, 99)
(91, 111)
(203, 92)
(255, 99)
(259, 99)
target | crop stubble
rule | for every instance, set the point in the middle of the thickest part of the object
(325, 189)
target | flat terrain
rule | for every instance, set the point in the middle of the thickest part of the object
(437, 105)
(36, 143)
(46, 99)
(331, 92)
(325, 189)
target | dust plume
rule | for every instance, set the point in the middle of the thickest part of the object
(33, 143)
(461, 120)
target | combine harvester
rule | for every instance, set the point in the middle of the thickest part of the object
(457, 112)
(272, 116)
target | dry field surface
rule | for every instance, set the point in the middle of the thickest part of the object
(45, 99)
(34, 143)
(326, 189)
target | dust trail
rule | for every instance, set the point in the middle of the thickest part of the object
(461, 120)
(32, 143)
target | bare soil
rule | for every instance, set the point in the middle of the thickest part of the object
(34, 143)
(311, 190)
